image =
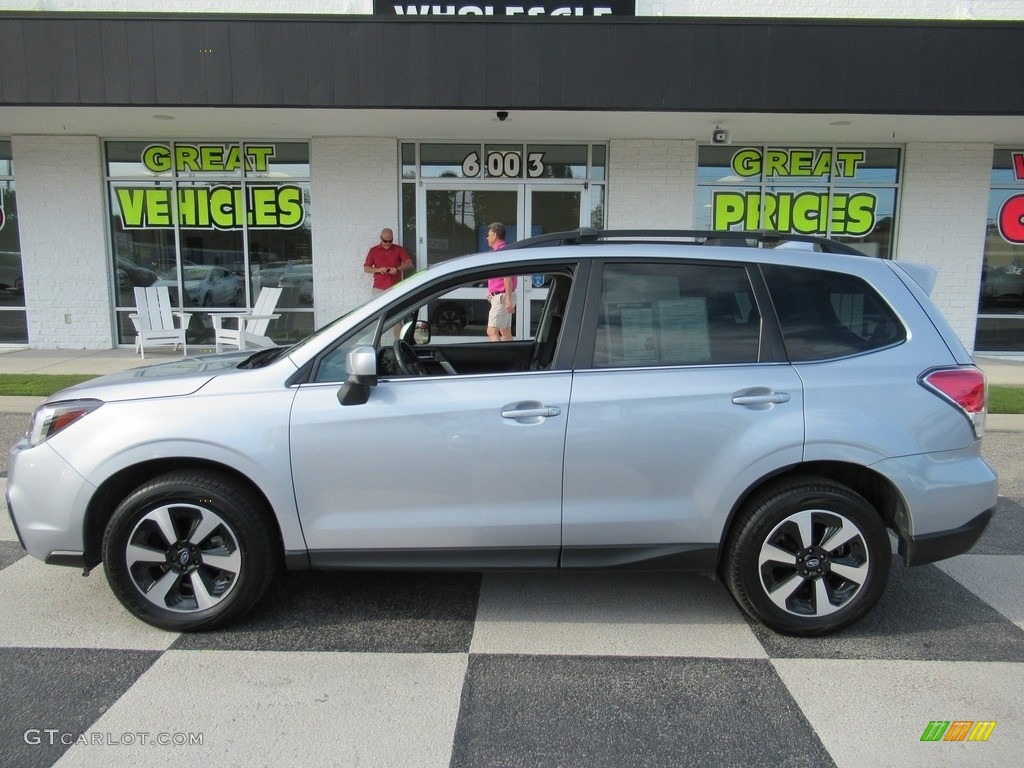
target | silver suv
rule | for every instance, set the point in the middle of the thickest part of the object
(767, 408)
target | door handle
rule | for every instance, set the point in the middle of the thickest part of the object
(760, 396)
(542, 412)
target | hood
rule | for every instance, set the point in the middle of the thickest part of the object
(171, 379)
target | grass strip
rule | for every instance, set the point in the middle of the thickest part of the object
(38, 384)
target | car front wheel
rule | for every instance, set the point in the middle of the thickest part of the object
(190, 550)
(808, 556)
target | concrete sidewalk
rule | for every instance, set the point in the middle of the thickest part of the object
(1002, 371)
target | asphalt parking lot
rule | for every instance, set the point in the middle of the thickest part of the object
(518, 669)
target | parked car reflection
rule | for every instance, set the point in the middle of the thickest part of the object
(299, 275)
(206, 286)
(1002, 287)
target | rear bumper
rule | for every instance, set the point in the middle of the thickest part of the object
(919, 550)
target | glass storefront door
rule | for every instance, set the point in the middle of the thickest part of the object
(457, 216)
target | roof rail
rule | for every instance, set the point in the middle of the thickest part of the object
(763, 238)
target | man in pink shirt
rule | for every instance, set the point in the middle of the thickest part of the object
(500, 292)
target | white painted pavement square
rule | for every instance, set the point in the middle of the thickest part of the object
(614, 614)
(52, 607)
(270, 709)
(873, 713)
(996, 579)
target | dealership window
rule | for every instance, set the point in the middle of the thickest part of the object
(1001, 298)
(13, 327)
(215, 222)
(846, 193)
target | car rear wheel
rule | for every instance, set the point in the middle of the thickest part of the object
(449, 319)
(190, 550)
(808, 556)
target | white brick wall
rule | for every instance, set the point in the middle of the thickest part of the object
(59, 183)
(354, 197)
(651, 183)
(942, 223)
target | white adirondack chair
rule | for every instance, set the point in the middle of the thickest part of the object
(154, 320)
(250, 327)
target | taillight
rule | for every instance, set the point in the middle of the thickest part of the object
(966, 387)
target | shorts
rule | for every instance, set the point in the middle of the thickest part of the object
(499, 317)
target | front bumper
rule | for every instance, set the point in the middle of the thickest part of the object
(46, 499)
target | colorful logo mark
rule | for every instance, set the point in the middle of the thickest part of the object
(958, 730)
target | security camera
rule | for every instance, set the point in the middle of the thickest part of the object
(502, 116)
(719, 136)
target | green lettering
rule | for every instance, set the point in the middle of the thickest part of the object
(234, 158)
(158, 207)
(211, 157)
(264, 207)
(807, 213)
(291, 210)
(223, 207)
(259, 157)
(800, 161)
(130, 202)
(823, 165)
(186, 158)
(157, 158)
(746, 162)
(860, 212)
(194, 207)
(769, 218)
(727, 209)
(848, 161)
(775, 162)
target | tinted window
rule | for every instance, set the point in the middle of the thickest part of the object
(675, 314)
(829, 314)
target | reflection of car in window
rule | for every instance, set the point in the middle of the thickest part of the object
(206, 286)
(299, 275)
(1002, 287)
(10, 272)
(130, 274)
(268, 274)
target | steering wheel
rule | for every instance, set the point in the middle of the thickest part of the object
(408, 363)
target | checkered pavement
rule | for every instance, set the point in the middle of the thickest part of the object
(517, 669)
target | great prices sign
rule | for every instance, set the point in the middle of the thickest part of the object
(810, 211)
(227, 205)
(1011, 213)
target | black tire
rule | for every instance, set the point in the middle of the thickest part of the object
(224, 555)
(782, 570)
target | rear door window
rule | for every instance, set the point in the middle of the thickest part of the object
(671, 313)
(825, 315)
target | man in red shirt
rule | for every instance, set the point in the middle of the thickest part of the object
(386, 261)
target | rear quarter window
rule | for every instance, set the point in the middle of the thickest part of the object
(826, 314)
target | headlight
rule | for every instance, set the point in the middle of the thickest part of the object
(48, 420)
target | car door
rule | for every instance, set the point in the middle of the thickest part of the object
(679, 403)
(453, 469)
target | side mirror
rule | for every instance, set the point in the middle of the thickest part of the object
(421, 332)
(361, 366)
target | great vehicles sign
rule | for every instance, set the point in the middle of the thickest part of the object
(221, 205)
